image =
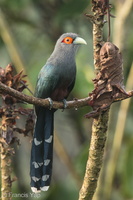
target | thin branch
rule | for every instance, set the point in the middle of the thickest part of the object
(76, 103)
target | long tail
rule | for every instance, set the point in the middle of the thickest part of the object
(42, 151)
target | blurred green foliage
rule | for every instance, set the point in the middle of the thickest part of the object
(35, 26)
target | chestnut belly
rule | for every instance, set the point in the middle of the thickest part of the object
(59, 94)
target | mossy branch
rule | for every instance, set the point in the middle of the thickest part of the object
(6, 154)
(76, 103)
(95, 157)
(100, 124)
(5, 172)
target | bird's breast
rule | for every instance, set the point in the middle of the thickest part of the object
(64, 86)
(59, 94)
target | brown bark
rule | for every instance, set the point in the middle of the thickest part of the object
(6, 155)
(100, 123)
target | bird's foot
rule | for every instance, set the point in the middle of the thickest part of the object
(50, 103)
(64, 104)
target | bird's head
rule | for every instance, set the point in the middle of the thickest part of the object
(66, 47)
(69, 41)
(71, 38)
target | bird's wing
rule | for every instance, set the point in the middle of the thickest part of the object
(71, 85)
(48, 79)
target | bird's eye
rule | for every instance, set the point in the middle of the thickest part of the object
(67, 40)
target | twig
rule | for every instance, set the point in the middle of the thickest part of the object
(108, 17)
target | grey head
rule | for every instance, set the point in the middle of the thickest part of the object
(66, 47)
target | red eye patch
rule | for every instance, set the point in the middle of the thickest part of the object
(68, 40)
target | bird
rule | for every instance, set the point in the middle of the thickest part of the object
(55, 81)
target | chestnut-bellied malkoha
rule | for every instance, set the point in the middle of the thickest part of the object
(55, 80)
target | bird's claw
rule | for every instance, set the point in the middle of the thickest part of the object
(50, 103)
(64, 104)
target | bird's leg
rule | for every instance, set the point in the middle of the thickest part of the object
(50, 103)
(64, 104)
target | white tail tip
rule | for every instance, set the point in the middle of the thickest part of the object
(35, 190)
(45, 188)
